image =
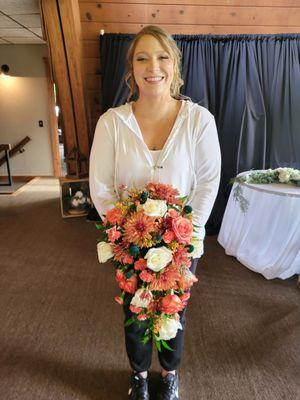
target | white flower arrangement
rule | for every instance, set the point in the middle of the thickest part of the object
(79, 200)
(289, 176)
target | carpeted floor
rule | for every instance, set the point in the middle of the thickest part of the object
(61, 332)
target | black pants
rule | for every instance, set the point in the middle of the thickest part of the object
(140, 354)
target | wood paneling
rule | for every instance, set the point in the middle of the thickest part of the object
(91, 29)
(217, 17)
(241, 3)
(190, 15)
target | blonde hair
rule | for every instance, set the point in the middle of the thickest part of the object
(170, 46)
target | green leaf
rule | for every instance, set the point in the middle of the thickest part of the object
(158, 345)
(146, 339)
(166, 346)
(129, 321)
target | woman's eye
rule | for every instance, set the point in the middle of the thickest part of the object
(164, 57)
(141, 59)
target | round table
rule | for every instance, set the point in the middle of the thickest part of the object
(266, 238)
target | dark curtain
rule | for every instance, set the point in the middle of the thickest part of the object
(250, 83)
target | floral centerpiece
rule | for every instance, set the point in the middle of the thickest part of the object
(285, 175)
(150, 238)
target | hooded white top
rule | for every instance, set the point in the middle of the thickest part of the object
(189, 161)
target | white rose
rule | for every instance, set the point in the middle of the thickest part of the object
(158, 258)
(284, 175)
(104, 251)
(155, 208)
(169, 327)
(198, 247)
(142, 298)
(78, 194)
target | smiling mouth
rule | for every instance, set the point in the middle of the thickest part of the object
(154, 79)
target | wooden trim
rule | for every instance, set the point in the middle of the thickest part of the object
(57, 172)
(91, 29)
(240, 3)
(190, 15)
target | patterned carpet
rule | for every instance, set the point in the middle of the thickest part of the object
(61, 332)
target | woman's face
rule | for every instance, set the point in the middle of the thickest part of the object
(153, 67)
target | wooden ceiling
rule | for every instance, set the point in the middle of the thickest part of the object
(20, 22)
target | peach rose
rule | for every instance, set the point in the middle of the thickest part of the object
(171, 304)
(168, 236)
(183, 229)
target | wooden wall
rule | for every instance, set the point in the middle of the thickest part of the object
(176, 16)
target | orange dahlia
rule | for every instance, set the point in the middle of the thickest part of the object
(165, 280)
(138, 228)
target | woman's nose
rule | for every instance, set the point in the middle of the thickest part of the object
(153, 64)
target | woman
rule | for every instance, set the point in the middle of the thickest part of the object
(160, 137)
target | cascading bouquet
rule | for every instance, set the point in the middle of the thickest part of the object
(149, 237)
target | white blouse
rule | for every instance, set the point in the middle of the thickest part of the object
(189, 161)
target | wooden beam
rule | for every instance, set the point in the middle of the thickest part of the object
(59, 67)
(71, 27)
(53, 123)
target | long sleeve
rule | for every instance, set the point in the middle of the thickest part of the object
(102, 167)
(207, 169)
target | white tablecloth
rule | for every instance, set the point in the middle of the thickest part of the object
(266, 239)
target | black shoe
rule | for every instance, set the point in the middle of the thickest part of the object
(168, 387)
(138, 389)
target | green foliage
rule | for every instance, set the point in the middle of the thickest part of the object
(129, 321)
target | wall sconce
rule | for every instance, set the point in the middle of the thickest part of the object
(4, 69)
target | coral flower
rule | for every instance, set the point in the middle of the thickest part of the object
(119, 300)
(146, 276)
(181, 257)
(113, 234)
(130, 285)
(171, 304)
(140, 264)
(137, 229)
(135, 309)
(142, 317)
(121, 254)
(162, 191)
(185, 297)
(186, 280)
(165, 280)
(114, 216)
